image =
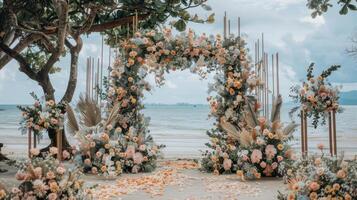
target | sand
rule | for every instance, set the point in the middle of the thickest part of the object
(174, 180)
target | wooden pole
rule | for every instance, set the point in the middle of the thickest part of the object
(101, 65)
(229, 28)
(29, 142)
(302, 133)
(334, 132)
(272, 74)
(97, 81)
(305, 134)
(59, 144)
(330, 133)
(225, 25)
(34, 140)
(238, 26)
(267, 80)
(277, 75)
(92, 79)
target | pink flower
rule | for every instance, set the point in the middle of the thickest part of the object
(65, 154)
(314, 186)
(38, 172)
(98, 154)
(52, 196)
(36, 104)
(256, 156)
(280, 158)
(268, 170)
(138, 158)
(60, 170)
(245, 157)
(227, 164)
(130, 151)
(263, 164)
(320, 146)
(20, 176)
(53, 150)
(35, 152)
(270, 151)
(54, 121)
(142, 147)
(94, 170)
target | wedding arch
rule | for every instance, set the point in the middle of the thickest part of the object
(157, 52)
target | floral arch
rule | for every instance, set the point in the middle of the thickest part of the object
(159, 52)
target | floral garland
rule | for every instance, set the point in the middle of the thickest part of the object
(317, 96)
(160, 52)
(46, 178)
(39, 118)
(321, 177)
(261, 147)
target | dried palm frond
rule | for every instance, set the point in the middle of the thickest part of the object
(71, 122)
(289, 129)
(113, 115)
(275, 111)
(250, 115)
(89, 111)
(245, 138)
(231, 130)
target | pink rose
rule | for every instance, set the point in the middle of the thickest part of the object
(256, 156)
(314, 186)
(35, 152)
(20, 176)
(245, 157)
(270, 151)
(138, 158)
(130, 151)
(227, 164)
(263, 164)
(52, 196)
(135, 169)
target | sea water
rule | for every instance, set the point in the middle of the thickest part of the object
(182, 128)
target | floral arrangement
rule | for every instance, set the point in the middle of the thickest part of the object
(152, 51)
(40, 117)
(263, 148)
(321, 177)
(103, 150)
(45, 178)
(317, 96)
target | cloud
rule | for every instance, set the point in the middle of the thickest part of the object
(170, 84)
(317, 21)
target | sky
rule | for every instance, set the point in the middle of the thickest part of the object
(287, 27)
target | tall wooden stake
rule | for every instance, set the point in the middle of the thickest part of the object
(238, 26)
(59, 144)
(29, 142)
(225, 25)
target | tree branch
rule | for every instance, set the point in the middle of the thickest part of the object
(22, 44)
(72, 81)
(24, 65)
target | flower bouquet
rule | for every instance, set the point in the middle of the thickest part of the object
(41, 117)
(103, 149)
(321, 177)
(263, 148)
(317, 96)
(46, 178)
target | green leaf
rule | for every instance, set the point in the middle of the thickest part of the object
(180, 25)
(352, 7)
(206, 7)
(344, 10)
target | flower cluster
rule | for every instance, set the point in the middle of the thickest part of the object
(41, 117)
(321, 177)
(46, 178)
(262, 149)
(317, 96)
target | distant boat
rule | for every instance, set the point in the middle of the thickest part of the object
(194, 106)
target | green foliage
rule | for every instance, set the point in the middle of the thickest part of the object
(319, 7)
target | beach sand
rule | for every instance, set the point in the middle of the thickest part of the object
(179, 183)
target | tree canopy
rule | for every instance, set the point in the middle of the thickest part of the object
(320, 7)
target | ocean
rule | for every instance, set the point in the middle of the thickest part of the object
(182, 128)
